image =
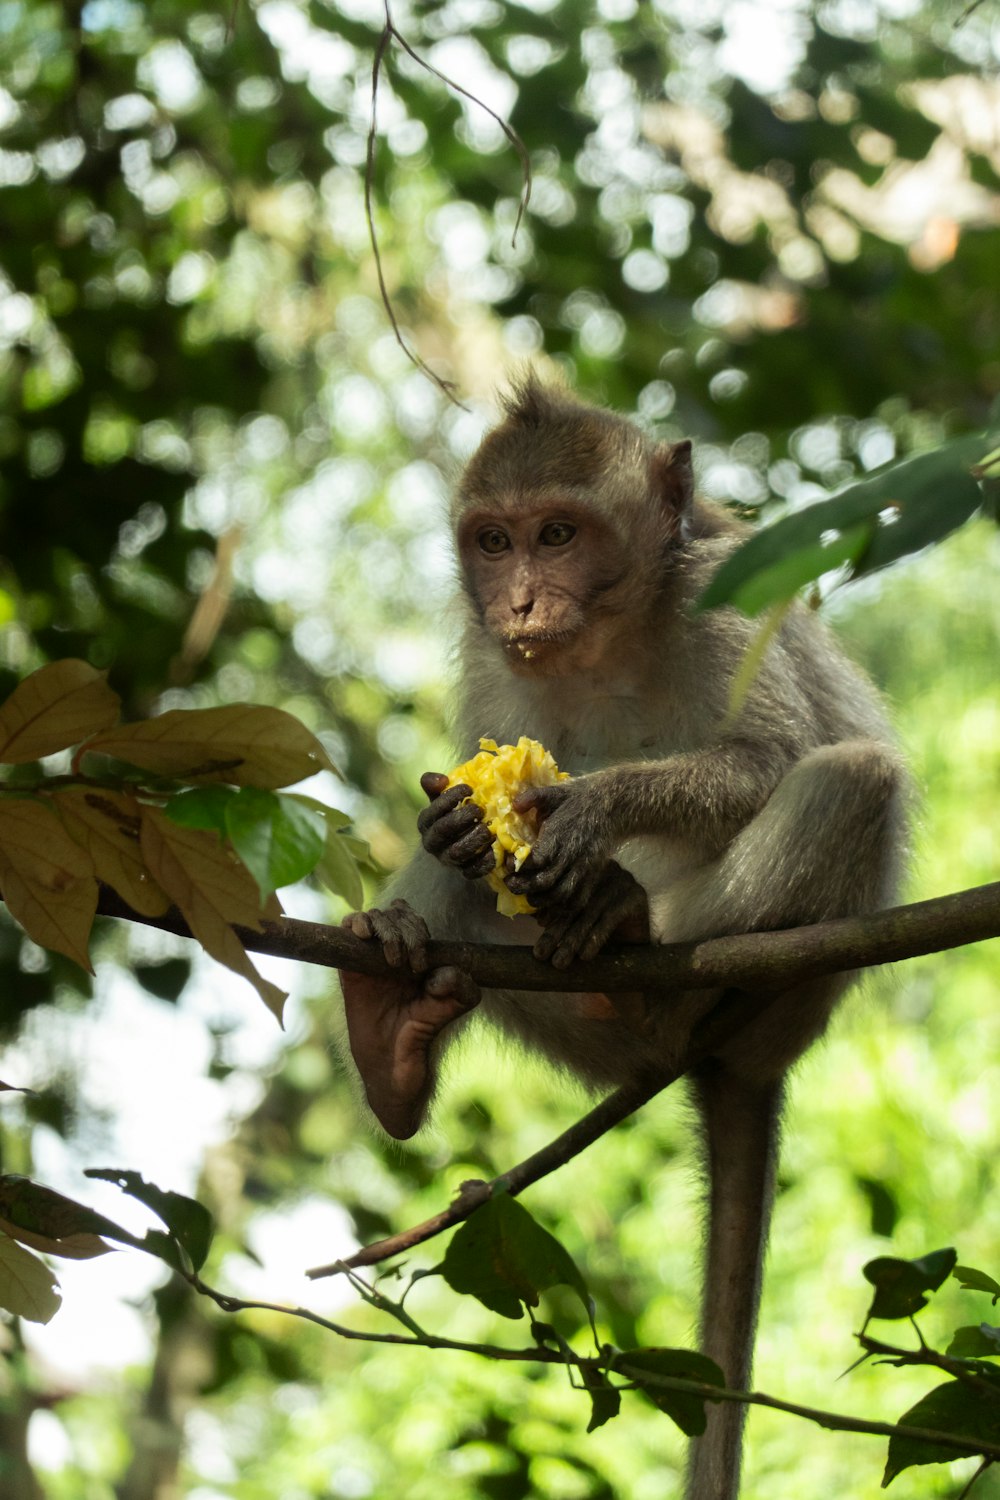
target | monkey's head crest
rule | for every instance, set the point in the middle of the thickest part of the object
(529, 403)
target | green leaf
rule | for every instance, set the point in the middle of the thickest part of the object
(189, 1222)
(909, 505)
(988, 467)
(359, 849)
(27, 1286)
(277, 837)
(955, 1407)
(505, 1258)
(332, 816)
(165, 980)
(782, 580)
(977, 1281)
(683, 1407)
(338, 868)
(202, 807)
(900, 1284)
(881, 1203)
(975, 1341)
(606, 1398)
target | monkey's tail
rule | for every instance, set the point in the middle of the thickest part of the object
(742, 1123)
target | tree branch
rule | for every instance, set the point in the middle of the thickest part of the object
(644, 1378)
(734, 1011)
(750, 968)
(750, 961)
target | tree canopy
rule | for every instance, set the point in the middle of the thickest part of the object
(775, 229)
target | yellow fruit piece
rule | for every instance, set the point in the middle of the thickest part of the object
(496, 775)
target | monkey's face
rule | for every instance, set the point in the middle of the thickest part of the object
(544, 577)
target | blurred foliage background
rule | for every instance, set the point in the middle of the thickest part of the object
(772, 226)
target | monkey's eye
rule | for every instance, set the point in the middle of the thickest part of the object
(493, 540)
(557, 533)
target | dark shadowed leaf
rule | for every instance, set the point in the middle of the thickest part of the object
(909, 505)
(505, 1258)
(977, 1281)
(606, 1397)
(165, 980)
(955, 1407)
(189, 1222)
(686, 1408)
(978, 1341)
(882, 1205)
(51, 1222)
(900, 1284)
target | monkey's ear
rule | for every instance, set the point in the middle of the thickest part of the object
(673, 484)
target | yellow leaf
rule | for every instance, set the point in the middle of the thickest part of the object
(72, 1246)
(212, 889)
(240, 743)
(47, 880)
(57, 706)
(27, 1286)
(106, 823)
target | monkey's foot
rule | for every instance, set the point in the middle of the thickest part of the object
(392, 1024)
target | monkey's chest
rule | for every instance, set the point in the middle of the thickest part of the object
(600, 732)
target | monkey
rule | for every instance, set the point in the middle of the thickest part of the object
(582, 549)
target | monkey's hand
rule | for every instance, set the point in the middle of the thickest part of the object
(571, 852)
(616, 908)
(455, 834)
(392, 1022)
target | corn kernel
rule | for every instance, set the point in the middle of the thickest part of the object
(496, 775)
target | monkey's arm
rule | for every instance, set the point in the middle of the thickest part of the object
(702, 797)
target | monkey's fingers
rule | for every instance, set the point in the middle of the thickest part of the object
(578, 931)
(459, 838)
(447, 805)
(401, 931)
(541, 800)
(434, 783)
(556, 880)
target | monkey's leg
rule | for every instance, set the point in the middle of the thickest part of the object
(392, 1026)
(827, 844)
(741, 1134)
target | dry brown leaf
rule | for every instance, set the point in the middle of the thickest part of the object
(27, 1286)
(203, 877)
(46, 878)
(106, 823)
(240, 743)
(57, 706)
(72, 1246)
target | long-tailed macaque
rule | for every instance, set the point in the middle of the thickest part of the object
(582, 550)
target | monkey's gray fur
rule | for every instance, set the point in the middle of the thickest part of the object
(792, 812)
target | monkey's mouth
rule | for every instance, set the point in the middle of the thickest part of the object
(538, 642)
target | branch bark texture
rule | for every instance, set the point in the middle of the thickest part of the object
(767, 961)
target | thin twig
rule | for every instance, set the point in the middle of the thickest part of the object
(505, 126)
(833, 1421)
(732, 1013)
(958, 1369)
(389, 34)
(967, 1488)
(538, 1354)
